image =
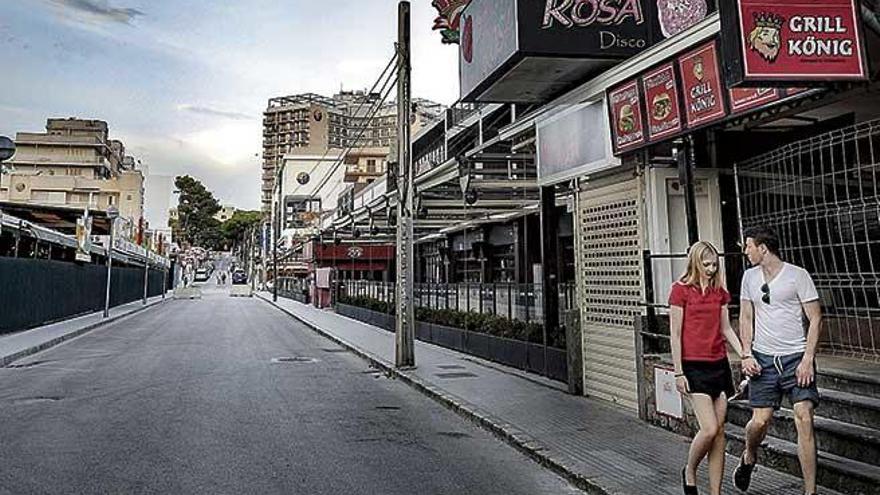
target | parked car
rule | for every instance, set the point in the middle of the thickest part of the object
(239, 277)
(202, 275)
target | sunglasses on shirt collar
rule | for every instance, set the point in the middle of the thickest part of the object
(766, 290)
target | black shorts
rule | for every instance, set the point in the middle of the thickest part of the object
(709, 377)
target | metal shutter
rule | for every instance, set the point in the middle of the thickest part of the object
(610, 288)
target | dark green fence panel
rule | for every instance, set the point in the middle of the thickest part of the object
(37, 292)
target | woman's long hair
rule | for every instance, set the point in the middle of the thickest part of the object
(695, 265)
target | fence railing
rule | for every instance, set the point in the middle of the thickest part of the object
(821, 195)
(523, 302)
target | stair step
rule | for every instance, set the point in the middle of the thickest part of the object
(834, 472)
(846, 440)
(847, 375)
(850, 408)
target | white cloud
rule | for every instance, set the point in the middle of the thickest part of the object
(227, 144)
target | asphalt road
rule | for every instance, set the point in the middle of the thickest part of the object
(186, 398)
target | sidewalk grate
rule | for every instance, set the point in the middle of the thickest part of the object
(294, 359)
(446, 376)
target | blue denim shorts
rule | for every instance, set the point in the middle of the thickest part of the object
(778, 378)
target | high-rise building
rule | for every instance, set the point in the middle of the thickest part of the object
(310, 124)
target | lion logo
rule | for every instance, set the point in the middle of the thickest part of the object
(699, 69)
(765, 37)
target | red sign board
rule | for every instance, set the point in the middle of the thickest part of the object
(742, 99)
(626, 117)
(807, 40)
(661, 100)
(701, 85)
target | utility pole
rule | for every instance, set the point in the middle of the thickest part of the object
(405, 325)
(278, 213)
(112, 214)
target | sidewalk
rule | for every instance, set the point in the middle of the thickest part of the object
(598, 447)
(14, 346)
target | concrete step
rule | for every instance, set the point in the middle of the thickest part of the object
(835, 472)
(850, 408)
(854, 442)
(864, 382)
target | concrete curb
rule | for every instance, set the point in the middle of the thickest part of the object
(507, 432)
(7, 360)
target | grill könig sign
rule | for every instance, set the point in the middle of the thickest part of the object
(772, 42)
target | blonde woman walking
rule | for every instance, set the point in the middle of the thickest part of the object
(699, 326)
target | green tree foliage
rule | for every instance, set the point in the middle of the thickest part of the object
(235, 228)
(196, 208)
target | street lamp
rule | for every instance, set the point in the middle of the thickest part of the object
(7, 149)
(112, 215)
(280, 211)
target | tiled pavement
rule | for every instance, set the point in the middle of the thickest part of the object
(599, 447)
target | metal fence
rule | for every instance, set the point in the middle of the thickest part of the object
(513, 301)
(822, 197)
(36, 292)
(293, 288)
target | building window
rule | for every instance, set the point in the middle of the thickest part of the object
(371, 166)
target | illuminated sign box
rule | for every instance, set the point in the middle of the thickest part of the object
(528, 51)
(809, 42)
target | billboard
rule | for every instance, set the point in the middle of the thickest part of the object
(785, 43)
(702, 88)
(626, 112)
(660, 88)
(529, 51)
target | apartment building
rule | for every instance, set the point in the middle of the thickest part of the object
(75, 164)
(310, 124)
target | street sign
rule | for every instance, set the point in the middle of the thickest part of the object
(7, 148)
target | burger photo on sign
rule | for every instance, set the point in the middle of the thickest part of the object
(626, 122)
(661, 106)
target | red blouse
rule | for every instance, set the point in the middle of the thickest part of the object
(701, 336)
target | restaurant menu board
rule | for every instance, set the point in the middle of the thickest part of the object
(701, 85)
(743, 99)
(807, 40)
(626, 117)
(660, 88)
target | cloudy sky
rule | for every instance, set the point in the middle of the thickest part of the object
(183, 82)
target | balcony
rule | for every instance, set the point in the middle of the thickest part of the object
(43, 139)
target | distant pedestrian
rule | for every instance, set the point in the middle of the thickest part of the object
(775, 296)
(699, 327)
(222, 278)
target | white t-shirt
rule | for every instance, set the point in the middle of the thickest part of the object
(779, 327)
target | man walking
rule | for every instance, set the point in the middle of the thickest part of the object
(774, 297)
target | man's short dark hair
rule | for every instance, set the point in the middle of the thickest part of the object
(763, 234)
